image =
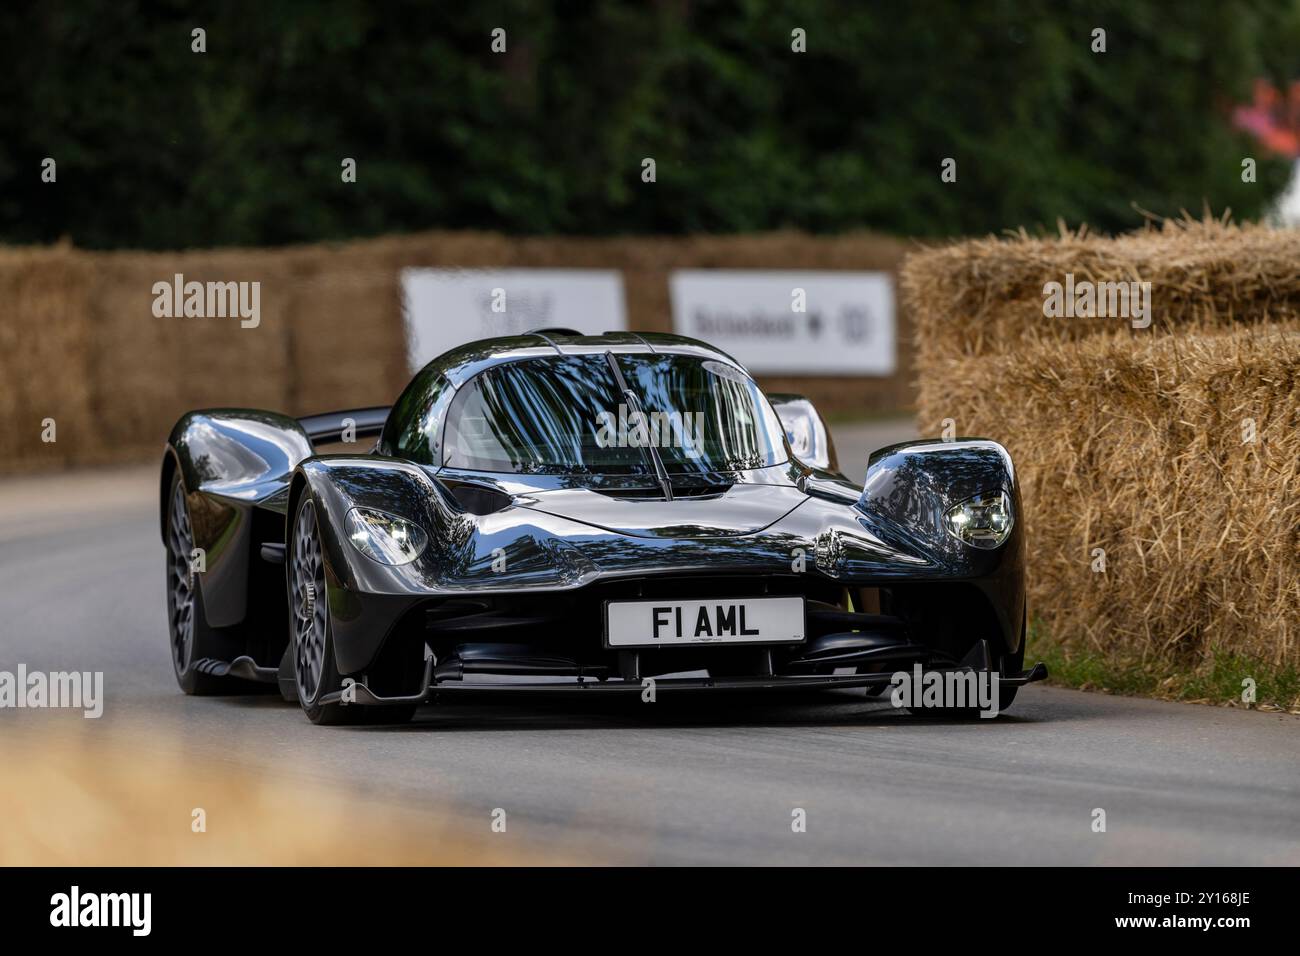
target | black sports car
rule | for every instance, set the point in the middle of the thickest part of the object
(554, 511)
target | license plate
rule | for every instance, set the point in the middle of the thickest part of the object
(777, 620)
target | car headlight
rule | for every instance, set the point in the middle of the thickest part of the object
(984, 521)
(385, 538)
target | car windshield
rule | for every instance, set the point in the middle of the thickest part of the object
(568, 414)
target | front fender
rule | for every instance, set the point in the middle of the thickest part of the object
(366, 597)
(240, 453)
(228, 460)
(908, 489)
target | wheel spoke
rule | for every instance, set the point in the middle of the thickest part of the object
(180, 587)
(308, 596)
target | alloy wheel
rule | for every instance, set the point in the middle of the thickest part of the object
(180, 580)
(311, 614)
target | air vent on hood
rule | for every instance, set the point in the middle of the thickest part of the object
(478, 499)
(691, 491)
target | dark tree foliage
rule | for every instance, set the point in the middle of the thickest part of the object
(161, 147)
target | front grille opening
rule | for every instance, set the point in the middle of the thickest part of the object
(475, 633)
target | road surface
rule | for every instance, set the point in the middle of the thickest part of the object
(681, 781)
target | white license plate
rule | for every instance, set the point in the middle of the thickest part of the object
(777, 620)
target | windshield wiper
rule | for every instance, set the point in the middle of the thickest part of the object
(648, 451)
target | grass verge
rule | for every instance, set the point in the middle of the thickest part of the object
(1218, 680)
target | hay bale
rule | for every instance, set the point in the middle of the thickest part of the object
(985, 297)
(45, 358)
(79, 341)
(1143, 449)
(343, 351)
(148, 370)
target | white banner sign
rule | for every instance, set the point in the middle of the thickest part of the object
(803, 323)
(449, 307)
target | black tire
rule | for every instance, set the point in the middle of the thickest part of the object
(1013, 664)
(193, 642)
(311, 632)
(1008, 664)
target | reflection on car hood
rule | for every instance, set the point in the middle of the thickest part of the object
(739, 510)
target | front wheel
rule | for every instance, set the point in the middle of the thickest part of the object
(311, 638)
(1012, 664)
(195, 645)
(1008, 665)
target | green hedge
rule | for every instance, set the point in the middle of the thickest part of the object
(160, 147)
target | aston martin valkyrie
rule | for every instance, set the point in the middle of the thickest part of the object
(585, 514)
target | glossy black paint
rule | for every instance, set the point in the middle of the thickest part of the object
(797, 525)
(231, 460)
(910, 486)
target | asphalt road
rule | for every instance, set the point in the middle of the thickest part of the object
(682, 781)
